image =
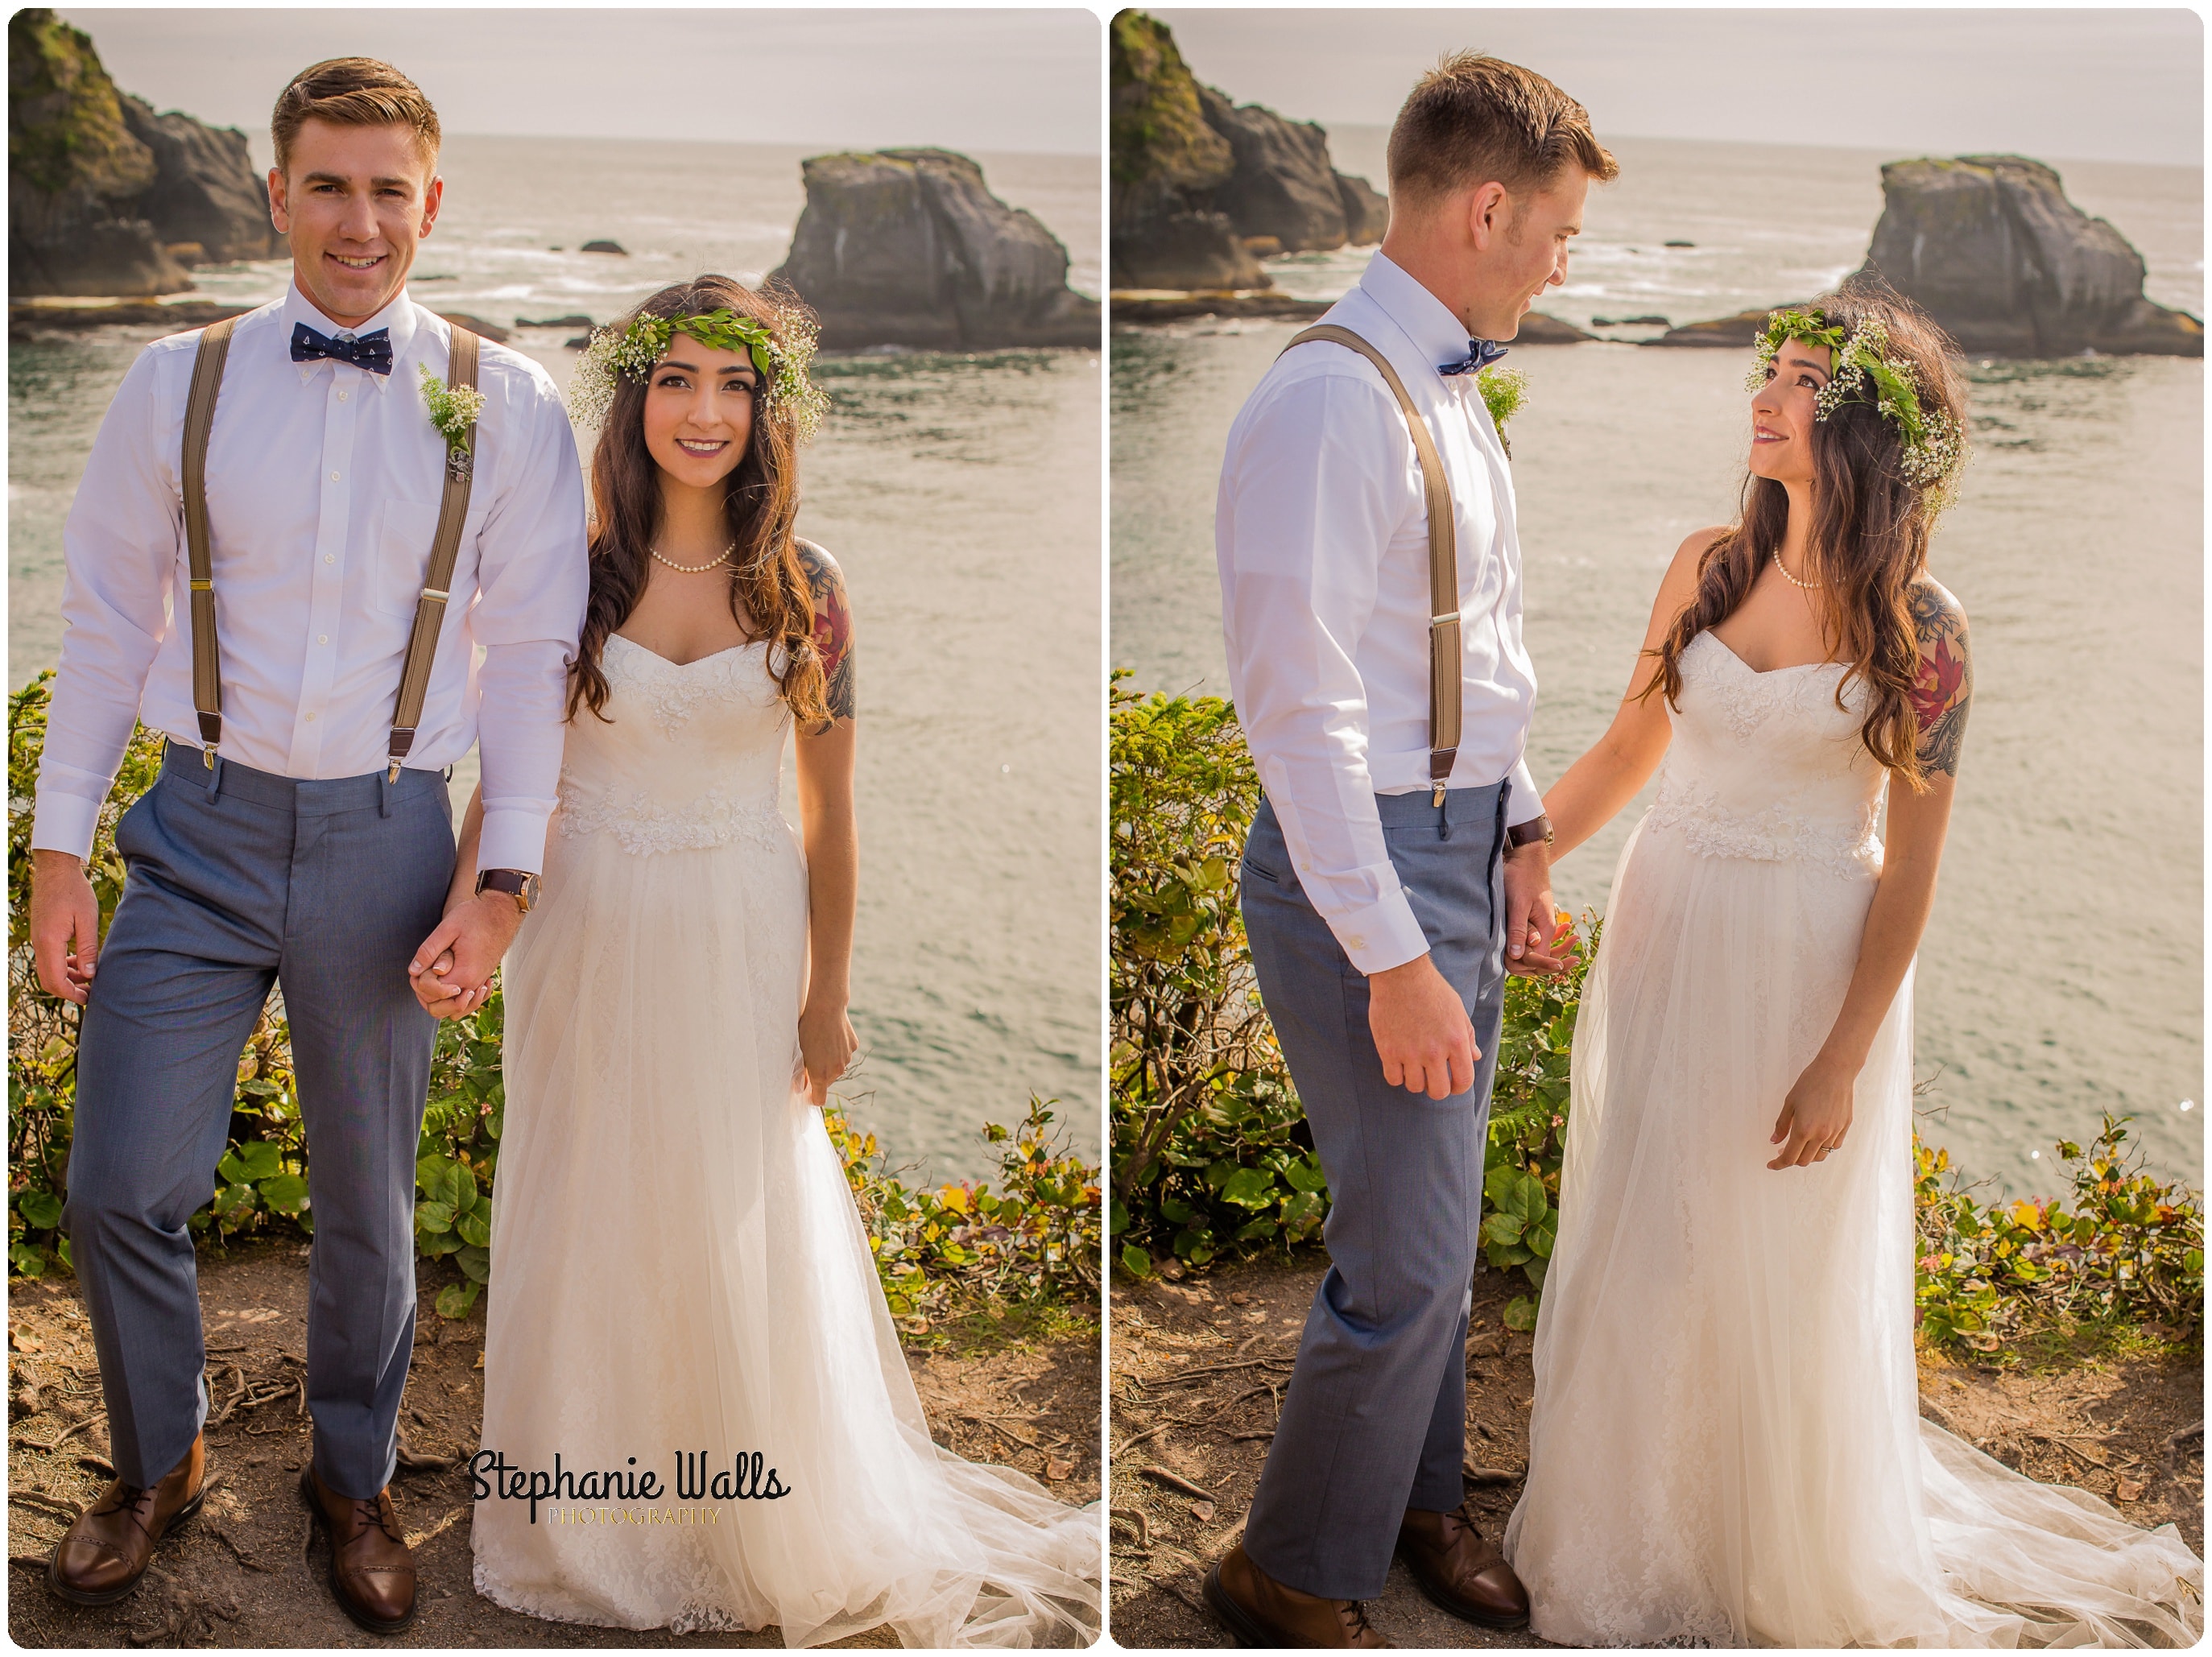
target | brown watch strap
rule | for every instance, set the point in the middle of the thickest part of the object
(1529, 833)
(522, 888)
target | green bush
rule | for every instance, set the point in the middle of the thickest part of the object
(1211, 1156)
(1037, 1242)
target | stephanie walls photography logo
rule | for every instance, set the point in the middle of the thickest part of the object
(628, 1493)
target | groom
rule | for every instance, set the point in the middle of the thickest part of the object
(1393, 873)
(278, 846)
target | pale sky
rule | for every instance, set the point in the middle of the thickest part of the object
(2060, 85)
(966, 80)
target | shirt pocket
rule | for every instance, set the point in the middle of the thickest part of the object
(401, 562)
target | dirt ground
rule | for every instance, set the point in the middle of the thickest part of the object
(251, 1570)
(1199, 1368)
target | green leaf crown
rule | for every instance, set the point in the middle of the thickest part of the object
(1932, 443)
(631, 352)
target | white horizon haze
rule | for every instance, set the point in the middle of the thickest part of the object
(1016, 80)
(2056, 84)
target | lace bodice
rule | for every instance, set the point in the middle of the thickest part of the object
(690, 755)
(1767, 766)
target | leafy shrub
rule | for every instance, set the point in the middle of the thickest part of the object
(1039, 1240)
(2131, 1246)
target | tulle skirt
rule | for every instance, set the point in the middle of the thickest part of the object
(679, 1272)
(1726, 1445)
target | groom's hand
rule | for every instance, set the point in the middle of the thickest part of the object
(1532, 943)
(476, 934)
(64, 924)
(1421, 1030)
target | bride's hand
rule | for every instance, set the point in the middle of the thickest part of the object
(1815, 1116)
(826, 1044)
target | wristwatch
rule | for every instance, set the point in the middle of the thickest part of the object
(1529, 833)
(522, 888)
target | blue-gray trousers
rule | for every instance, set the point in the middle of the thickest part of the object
(1375, 1419)
(239, 880)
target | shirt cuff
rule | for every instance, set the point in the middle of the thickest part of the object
(1382, 936)
(514, 837)
(1524, 804)
(64, 823)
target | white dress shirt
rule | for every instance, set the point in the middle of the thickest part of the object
(1320, 530)
(324, 482)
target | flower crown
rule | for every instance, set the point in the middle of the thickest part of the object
(1930, 437)
(632, 352)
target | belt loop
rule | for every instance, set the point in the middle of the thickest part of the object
(214, 776)
(384, 793)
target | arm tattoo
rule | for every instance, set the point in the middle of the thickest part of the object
(1946, 682)
(833, 626)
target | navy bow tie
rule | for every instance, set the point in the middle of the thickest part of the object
(1481, 354)
(370, 351)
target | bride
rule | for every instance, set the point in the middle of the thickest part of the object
(1726, 1445)
(696, 1412)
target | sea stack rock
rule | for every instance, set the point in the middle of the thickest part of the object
(105, 197)
(1167, 163)
(907, 247)
(1991, 249)
(1197, 177)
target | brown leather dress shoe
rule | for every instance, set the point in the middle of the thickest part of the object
(107, 1549)
(372, 1571)
(1261, 1611)
(1459, 1571)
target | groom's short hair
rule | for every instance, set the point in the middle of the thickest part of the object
(353, 91)
(1474, 119)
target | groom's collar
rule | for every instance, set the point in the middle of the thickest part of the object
(1436, 332)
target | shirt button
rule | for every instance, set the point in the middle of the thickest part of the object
(321, 639)
(343, 394)
(311, 718)
(334, 478)
(329, 557)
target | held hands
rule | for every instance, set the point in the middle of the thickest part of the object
(64, 925)
(1421, 1030)
(826, 1045)
(1815, 1116)
(451, 972)
(1535, 946)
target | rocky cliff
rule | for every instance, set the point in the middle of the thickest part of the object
(1198, 178)
(105, 197)
(908, 247)
(1990, 248)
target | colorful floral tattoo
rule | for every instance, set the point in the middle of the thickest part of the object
(1945, 682)
(833, 626)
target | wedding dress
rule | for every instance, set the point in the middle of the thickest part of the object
(1726, 1445)
(679, 1268)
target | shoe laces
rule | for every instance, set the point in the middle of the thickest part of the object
(1352, 1614)
(129, 1498)
(378, 1510)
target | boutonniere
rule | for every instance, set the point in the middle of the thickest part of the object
(453, 411)
(1504, 391)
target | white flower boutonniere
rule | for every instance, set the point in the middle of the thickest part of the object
(453, 411)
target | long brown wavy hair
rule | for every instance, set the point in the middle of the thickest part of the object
(768, 595)
(1868, 543)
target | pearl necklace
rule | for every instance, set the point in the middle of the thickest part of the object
(701, 569)
(1806, 586)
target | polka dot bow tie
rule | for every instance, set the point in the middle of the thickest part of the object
(370, 351)
(1481, 354)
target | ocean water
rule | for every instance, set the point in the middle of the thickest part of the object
(961, 495)
(2061, 973)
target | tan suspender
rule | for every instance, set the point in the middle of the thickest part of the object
(430, 610)
(199, 421)
(1444, 648)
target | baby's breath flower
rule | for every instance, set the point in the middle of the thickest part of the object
(454, 408)
(1931, 447)
(632, 352)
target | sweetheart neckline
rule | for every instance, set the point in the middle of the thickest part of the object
(679, 666)
(1762, 672)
